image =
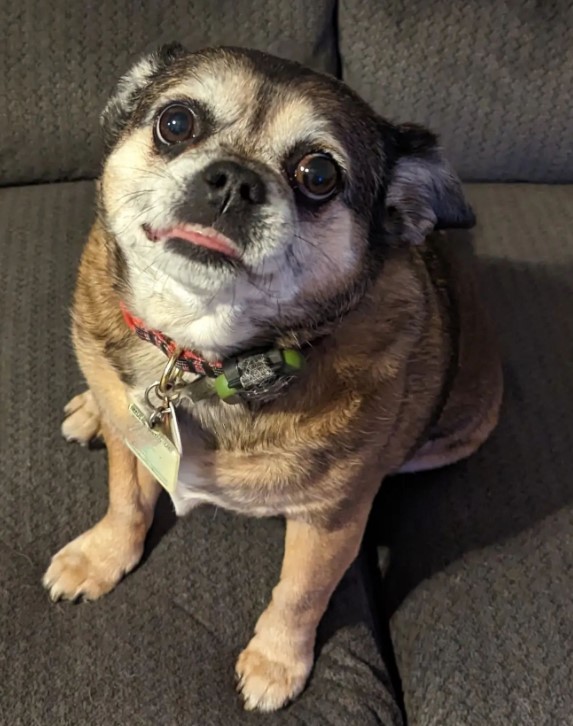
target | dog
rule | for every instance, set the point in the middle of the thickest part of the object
(267, 294)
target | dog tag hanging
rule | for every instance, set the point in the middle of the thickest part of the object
(158, 447)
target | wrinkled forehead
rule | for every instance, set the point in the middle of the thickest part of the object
(270, 110)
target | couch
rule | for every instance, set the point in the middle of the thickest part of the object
(458, 610)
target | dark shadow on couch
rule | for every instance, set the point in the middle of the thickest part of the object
(524, 472)
(163, 521)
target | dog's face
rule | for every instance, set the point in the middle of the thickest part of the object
(248, 193)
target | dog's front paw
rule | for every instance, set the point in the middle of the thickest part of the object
(93, 563)
(82, 419)
(269, 676)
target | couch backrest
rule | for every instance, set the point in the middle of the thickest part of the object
(493, 77)
(59, 60)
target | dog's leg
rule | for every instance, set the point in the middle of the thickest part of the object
(275, 665)
(93, 563)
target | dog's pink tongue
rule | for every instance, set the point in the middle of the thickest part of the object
(215, 242)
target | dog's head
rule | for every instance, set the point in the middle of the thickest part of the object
(247, 193)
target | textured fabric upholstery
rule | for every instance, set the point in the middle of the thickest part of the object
(60, 60)
(481, 569)
(493, 78)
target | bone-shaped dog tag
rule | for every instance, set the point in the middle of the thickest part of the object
(158, 448)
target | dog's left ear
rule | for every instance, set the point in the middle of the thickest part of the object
(423, 192)
(127, 93)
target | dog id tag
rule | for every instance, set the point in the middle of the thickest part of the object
(158, 447)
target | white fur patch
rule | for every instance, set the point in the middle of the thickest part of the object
(137, 77)
(230, 91)
(296, 120)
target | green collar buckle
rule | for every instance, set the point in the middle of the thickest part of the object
(251, 375)
(248, 377)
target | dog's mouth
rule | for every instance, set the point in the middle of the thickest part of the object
(186, 238)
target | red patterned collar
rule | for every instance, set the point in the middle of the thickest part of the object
(188, 360)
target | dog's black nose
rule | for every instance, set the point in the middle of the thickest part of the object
(231, 185)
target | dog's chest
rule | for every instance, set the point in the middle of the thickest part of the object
(261, 482)
(239, 474)
(228, 481)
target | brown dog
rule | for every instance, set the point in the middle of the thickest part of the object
(260, 214)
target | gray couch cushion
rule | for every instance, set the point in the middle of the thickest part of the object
(59, 61)
(161, 648)
(481, 576)
(493, 78)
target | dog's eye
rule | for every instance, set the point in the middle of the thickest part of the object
(175, 124)
(317, 176)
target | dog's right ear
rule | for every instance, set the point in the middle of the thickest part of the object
(424, 193)
(127, 93)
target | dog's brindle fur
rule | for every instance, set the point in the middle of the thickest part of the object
(402, 374)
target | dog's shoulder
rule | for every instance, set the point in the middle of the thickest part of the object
(97, 324)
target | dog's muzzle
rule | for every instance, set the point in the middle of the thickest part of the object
(227, 196)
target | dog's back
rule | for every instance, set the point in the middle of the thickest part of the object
(474, 385)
